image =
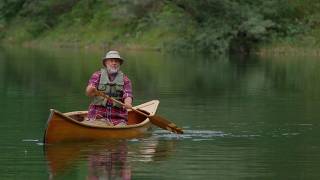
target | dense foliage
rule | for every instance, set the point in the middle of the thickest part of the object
(205, 25)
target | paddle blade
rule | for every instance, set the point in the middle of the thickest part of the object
(165, 124)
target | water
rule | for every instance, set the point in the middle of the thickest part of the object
(244, 118)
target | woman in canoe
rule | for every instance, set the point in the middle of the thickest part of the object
(113, 83)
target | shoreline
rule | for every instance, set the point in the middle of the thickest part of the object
(91, 47)
(286, 50)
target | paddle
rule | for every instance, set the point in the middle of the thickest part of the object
(156, 120)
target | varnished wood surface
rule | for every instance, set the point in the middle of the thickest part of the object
(63, 127)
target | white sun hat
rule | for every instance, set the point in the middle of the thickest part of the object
(113, 55)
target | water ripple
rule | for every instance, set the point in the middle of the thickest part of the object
(30, 140)
(205, 135)
(195, 135)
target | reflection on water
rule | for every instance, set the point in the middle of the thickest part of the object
(109, 164)
(104, 159)
(244, 118)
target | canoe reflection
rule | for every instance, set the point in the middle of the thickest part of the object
(104, 160)
(110, 164)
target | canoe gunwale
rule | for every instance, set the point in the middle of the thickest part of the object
(66, 116)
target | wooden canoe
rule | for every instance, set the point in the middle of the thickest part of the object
(70, 126)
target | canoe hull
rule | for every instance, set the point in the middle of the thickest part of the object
(64, 127)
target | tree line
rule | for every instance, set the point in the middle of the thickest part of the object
(214, 26)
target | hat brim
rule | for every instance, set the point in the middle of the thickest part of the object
(121, 60)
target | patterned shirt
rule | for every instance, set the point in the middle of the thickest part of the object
(110, 113)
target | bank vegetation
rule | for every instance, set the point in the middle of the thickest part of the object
(211, 26)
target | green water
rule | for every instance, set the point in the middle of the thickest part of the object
(244, 118)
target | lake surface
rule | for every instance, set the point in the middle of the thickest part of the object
(244, 118)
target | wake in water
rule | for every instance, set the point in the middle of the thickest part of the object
(207, 135)
(194, 135)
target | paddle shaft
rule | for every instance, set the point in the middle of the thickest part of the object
(121, 103)
(156, 120)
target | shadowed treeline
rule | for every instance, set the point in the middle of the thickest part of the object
(215, 26)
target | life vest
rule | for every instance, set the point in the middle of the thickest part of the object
(113, 89)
